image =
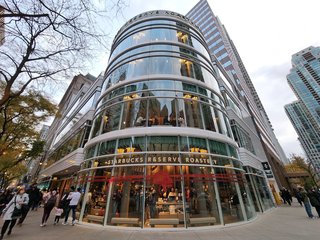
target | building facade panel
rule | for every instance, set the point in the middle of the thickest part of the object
(224, 54)
(161, 151)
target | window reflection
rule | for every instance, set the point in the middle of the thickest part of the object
(162, 65)
(160, 33)
(229, 198)
(95, 199)
(201, 204)
(163, 197)
(111, 118)
(127, 197)
(164, 106)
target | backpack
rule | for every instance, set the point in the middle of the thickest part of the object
(51, 201)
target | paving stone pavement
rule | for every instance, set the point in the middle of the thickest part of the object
(281, 223)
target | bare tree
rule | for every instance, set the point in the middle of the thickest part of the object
(48, 39)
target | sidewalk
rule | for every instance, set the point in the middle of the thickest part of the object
(282, 223)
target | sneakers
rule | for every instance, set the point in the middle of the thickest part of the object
(64, 223)
(43, 224)
(73, 222)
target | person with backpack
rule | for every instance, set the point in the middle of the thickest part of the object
(50, 200)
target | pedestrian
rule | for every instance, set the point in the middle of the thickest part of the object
(314, 200)
(64, 203)
(50, 200)
(299, 197)
(286, 196)
(24, 209)
(5, 198)
(12, 211)
(35, 197)
(43, 192)
(74, 200)
(57, 214)
(306, 202)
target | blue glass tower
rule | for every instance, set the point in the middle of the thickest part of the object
(304, 79)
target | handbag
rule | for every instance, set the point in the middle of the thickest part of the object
(17, 212)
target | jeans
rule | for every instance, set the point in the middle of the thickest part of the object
(73, 208)
(6, 225)
(24, 211)
(46, 214)
(307, 206)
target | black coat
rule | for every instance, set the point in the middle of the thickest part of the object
(315, 202)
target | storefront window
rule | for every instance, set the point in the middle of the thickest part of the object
(230, 203)
(245, 194)
(127, 199)
(95, 199)
(200, 196)
(164, 201)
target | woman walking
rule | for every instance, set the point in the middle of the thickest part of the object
(50, 200)
(13, 211)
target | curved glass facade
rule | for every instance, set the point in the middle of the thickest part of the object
(161, 151)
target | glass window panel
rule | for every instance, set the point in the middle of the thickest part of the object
(163, 143)
(97, 126)
(189, 87)
(218, 147)
(97, 195)
(193, 115)
(160, 110)
(107, 147)
(164, 196)
(140, 113)
(208, 117)
(246, 195)
(90, 152)
(129, 114)
(127, 199)
(201, 200)
(230, 203)
(181, 113)
(111, 118)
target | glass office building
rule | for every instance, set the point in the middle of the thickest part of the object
(161, 151)
(304, 114)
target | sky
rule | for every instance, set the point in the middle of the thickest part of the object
(266, 35)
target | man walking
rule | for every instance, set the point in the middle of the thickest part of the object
(74, 198)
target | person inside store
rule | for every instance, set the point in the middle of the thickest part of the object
(116, 197)
(181, 122)
(140, 121)
(172, 195)
(151, 202)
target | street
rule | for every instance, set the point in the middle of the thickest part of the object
(281, 223)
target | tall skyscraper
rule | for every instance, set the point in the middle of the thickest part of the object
(304, 80)
(225, 55)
